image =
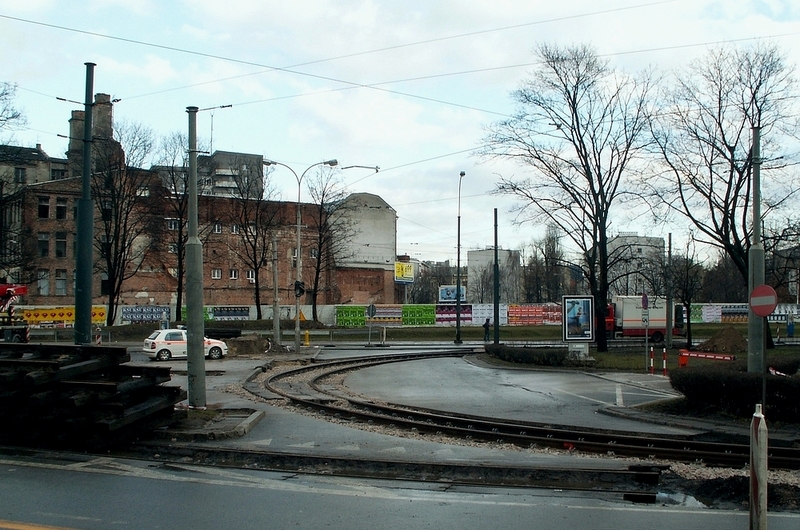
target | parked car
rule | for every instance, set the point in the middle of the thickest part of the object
(166, 344)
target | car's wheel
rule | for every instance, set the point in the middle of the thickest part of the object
(164, 355)
(215, 353)
(658, 336)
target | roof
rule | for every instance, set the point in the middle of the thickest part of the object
(13, 153)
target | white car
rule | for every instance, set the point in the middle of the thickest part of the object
(166, 344)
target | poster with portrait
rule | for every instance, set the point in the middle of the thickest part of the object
(577, 319)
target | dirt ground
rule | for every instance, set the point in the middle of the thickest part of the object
(727, 340)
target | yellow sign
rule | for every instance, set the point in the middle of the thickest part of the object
(64, 314)
(403, 272)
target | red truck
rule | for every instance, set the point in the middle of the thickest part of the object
(626, 318)
(13, 328)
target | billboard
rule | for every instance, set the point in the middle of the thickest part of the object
(577, 318)
(403, 272)
(447, 294)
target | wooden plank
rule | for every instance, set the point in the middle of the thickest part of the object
(165, 399)
(69, 371)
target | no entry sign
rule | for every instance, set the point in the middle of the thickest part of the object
(763, 300)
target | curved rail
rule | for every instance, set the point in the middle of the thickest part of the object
(306, 386)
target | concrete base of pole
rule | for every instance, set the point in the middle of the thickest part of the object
(758, 471)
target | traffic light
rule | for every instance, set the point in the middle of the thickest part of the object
(299, 288)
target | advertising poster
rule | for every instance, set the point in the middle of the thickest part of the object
(577, 320)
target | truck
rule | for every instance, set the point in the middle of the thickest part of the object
(627, 317)
(13, 328)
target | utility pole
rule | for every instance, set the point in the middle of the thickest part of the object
(195, 347)
(670, 300)
(496, 285)
(755, 323)
(85, 226)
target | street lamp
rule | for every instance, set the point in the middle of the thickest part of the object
(299, 287)
(458, 265)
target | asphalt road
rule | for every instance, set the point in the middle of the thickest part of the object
(98, 493)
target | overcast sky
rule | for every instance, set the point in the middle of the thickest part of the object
(406, 85)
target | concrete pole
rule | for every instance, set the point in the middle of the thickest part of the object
(755, 323)
(195, 348)
(758, 471)
(83, 252)
(276, 309)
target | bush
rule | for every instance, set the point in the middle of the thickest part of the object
(736, 392)
(524, 355)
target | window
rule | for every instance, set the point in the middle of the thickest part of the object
(61, 282)
(314, 253)
(20, 175)
(216, 274)
(106, 210)
(61, 208)
(44, 244)
(61, 244)
(251, 276)
(44, 207)
(43, 282)
(172, 248)
(58, 174)
(143, 191)
(217, 227)
(234, 229)
(105, 285)
(234, 274)
(173, 224)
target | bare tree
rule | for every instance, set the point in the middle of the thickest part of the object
(10, 116)
(704, 138)
(580, 129)
(425, 289)
(333, 227)
(130, 203)
(543, 278)
(14, 254)
(480, 289)
(256, 217)
(686, 276)
(172, 168)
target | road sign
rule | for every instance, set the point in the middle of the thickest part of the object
(763, 300)
(644, 301)
(645, 316)
(371, 310)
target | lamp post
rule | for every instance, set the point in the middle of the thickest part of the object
(299, 288)
(458, 265)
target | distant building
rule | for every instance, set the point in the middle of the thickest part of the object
(635, 264)
(480, 276)
(38, 210)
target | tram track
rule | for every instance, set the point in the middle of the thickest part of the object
(318, 387)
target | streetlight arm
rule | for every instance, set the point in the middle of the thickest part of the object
(376, 168)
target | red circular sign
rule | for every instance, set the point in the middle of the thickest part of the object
(763, 300)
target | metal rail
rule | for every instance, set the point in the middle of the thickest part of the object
(313, 393)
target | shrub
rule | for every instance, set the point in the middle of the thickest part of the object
(524, 355)
(736, 392)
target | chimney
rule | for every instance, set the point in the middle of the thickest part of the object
(102, 117)
(75, 149)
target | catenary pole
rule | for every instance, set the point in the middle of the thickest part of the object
(195, 348)
(496, 285)
(85, 226)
